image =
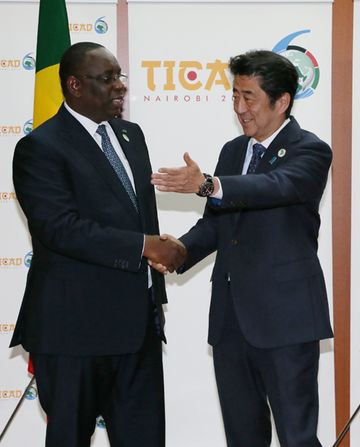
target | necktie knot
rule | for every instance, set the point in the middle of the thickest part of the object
(101, 130)
(258, 151)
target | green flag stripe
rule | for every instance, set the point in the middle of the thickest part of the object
(53, 33)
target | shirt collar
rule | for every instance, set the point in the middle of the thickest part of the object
(266, 143)
(89, 124)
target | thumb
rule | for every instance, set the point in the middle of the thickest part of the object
(189, 161)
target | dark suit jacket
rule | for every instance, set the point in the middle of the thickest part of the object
(87, 288)
(265, 232)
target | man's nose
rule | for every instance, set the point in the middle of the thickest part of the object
(240, 105)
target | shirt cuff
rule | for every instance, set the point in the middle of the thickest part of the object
(219, 194)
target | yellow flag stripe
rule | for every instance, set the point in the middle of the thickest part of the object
(48, 94)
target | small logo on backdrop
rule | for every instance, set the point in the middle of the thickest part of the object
(10, 64)
(305, 63)
(28, 126)
(10, 394)
(80, 27)
(100, 422)
(10, 130)
(7, 196)
(11, 262)
(28, 62)
(31, 393)
(101, 27)
(28, 259)
(6, 328)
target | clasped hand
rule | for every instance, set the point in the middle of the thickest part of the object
(165, 253)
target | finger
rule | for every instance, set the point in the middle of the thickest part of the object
(171, 171)
(164, 237)
(188, 160)
(159, 267)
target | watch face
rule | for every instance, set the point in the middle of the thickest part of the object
(207, 188)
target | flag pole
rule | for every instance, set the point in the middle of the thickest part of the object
(346, 428)
(7, 425)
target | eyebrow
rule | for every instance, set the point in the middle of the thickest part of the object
(244, 92)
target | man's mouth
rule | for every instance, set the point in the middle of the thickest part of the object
(118, 101)
(246, 120)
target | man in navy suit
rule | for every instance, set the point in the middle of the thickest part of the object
(269, 307)
(92, 315)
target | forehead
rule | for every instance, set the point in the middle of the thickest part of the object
(247, 84)
(100, 60)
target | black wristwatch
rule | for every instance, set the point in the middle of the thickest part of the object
(207, 187)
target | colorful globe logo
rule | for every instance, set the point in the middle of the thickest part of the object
(305, 63)
(31, 393)
(100, 422)
(28, 259)
(28, 127)
(101, 27)
(28, 62)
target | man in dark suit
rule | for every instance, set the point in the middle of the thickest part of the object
(92, 315)
(269, 307)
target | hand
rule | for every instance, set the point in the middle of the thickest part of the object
(186, 179)
(164, 253)
(160, 267)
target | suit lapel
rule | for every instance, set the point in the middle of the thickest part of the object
(79, 139)
(279, 149)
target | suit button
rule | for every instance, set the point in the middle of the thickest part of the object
(234, 242)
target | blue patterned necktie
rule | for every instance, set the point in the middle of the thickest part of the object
(116, 163)
(258, 150)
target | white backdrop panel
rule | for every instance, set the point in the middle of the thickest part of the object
(177, 119)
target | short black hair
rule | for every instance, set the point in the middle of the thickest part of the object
(277, 75)
(72, 58)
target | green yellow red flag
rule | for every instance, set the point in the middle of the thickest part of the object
(53, 39)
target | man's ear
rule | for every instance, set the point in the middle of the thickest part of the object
(283, 102)
(73, 86)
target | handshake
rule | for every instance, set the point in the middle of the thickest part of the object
(164, 253)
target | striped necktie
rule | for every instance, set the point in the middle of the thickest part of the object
(258, 150)
(116, 163)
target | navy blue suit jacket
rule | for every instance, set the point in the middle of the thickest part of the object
(265, 233)
(87, 288)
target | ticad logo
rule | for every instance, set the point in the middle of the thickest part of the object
(10, 130)
(80, 27)
(7, 196)
(10, 394)
(101, 27)
(28, 62)
(192, 80)
(28, 259)
(28, 126)
(100, 422)
(10, 64)
(31, 393)
(6, 328)
(11, 262)
(304, 61)
(13, 130)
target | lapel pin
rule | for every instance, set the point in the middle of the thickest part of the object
(124, 135)
(281, 152)
(273, 160)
